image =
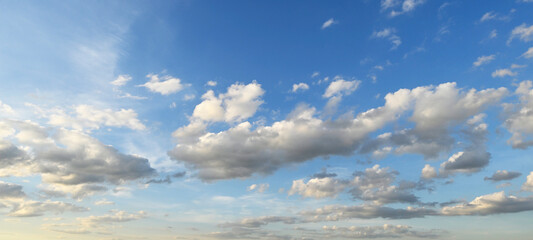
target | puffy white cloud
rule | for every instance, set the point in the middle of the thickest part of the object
(121, 80)
(494, 203)
(260, 188)
(241, 151)
(522, 32)
(528, 53)
(299, 86)
(390, 34)
(483, 60)
(328, 23)
(318, 187)
(503, 73)
(429, 172)
(238, 103)
(528, 185)
(211, 83)
(6, 109)
(164, 85)
(341, 87)
(519, 117)
(502, 175)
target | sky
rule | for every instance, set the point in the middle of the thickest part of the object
(367, 119)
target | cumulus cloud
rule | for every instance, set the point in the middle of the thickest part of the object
(266, 148)
(5, 109)
(503, 72)
(390, 34)
(429, 172)
(341, 87)
(238, 103)
(522, 32)
(528, 53)
(318, 187)
(73, 162)
(211, 83)
(328, 23)
(260, 188)
(503, 175)
(164, 85)
(528, 185)
(121, 80)
(299, 86)
(483, 60)
(519, 120)
(466, 162)
(495, 203)
(223, 155)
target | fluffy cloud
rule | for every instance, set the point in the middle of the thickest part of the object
(429, 172)
(528, 53)
(5, 109)
(328, 23)
(121, 80)
(75, 163)
(503, 73)
(528, 185)
(341, 87)
(318, 187)
(211, 83)
(390, 34)
(242, 151)
(522, 32)
(299, 86)
(238, 103)
(467, 162)
(519, 117)
(407, 6)
(483, 60)
(164, 85)
(494, 203)
(502, 175)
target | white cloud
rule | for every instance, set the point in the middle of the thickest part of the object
(104, 202)
(428, 172)
(299, 86)
(328, 23)
(165, 85)
(488, 16)
(407, 6)
(121, 80)
(522, 32)
(503, 175)
(519, 120)
(503, 73)
(260, 188)
(211, 83)
(528, 53)
(6, 109)
(483, 60)
(90, 117)
(318, 187)
(494, 203)
(315, 74)
(238, 103)
(528, 185)
(390, 34)
(34, 208)
(341, 87)
(493, 34)
(188, 97)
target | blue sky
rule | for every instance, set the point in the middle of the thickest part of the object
(266, 119)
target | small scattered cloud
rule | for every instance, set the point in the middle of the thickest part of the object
(164, 85)
(211, 83)
(329, 23)
(260, 188)
(503, 175)
(523, 32)
(503, 72)
(528, 53)
(390, 34)
(484, 60)
(300, 87)
(121, 80)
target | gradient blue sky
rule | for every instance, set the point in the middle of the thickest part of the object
(266, 119)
